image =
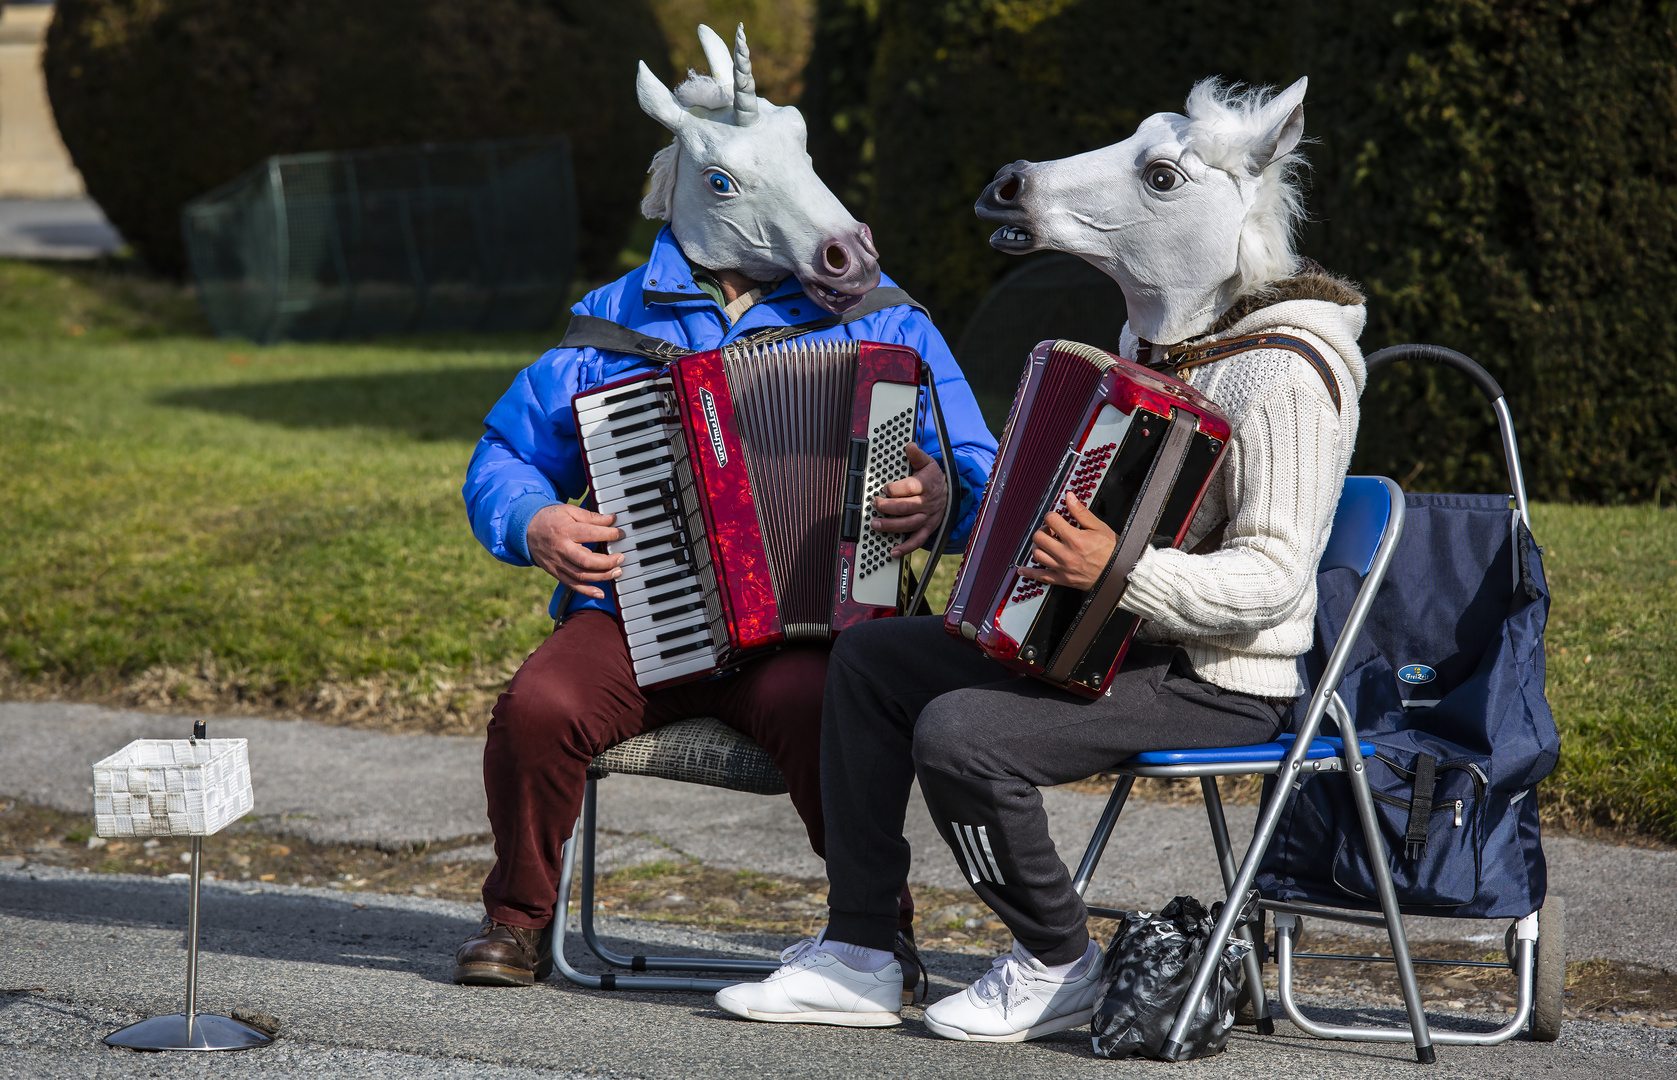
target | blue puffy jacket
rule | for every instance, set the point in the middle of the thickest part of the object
(529, 457)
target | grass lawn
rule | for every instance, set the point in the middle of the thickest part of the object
(199, 523)
(191, 518)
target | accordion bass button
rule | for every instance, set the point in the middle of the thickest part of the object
(969, 631)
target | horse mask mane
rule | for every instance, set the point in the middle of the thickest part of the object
(738, 188)
(1188, 215)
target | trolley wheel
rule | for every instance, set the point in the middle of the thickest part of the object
(1548, 982)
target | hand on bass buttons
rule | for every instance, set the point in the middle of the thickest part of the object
(915, 505)
(1074, 555)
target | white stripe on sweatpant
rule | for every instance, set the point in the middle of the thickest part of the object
(973, 870)
(984, 838)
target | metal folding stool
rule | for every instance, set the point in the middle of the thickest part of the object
(701, 751)
(1367, 524)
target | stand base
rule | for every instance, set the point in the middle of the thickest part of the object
(208, 1033)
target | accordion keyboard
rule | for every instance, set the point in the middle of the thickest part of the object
(667, 594)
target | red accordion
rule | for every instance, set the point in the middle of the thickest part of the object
(1139, 449)
(742, 479)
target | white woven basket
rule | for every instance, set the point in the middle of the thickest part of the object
(172, 787)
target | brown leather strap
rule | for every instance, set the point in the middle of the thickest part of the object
(1102, 600)
(1176, 359)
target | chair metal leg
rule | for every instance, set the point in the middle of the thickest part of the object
(585, 829)
(1225, 862)
(1268, 820)
(1388, 895)
(1103, 832)
(610, 980)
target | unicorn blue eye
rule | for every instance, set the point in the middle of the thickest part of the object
(720, 184)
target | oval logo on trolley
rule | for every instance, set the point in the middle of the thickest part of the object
(716, 445)
(1416, 674)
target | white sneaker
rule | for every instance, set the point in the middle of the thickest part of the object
(1016, 1000)
(815, 987)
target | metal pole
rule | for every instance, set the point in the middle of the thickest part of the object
(192, 939)
(1103, 833)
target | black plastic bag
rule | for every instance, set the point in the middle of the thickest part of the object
(1147, 971)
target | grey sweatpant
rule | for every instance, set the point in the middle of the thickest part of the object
(904, 698)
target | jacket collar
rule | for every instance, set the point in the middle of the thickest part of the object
(668, 279)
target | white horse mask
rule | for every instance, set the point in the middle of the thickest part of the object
(739, 190)
(1186, 215)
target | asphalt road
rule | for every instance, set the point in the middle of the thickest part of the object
(333, 784)
(361, 981)
(361, 986)
(73, 228)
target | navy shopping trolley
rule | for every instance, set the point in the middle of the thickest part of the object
(1429, 651)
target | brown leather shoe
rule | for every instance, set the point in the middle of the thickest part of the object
(502, 955)
(915, 980)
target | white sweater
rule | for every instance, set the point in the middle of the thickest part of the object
(1244, 612)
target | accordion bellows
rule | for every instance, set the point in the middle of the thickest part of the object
(172, 787)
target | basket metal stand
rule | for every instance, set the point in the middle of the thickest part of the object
(188, 1030)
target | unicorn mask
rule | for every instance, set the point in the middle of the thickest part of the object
(1185, 215)
(738, 188)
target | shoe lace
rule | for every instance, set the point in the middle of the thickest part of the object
(1006, 983)
(799, 953)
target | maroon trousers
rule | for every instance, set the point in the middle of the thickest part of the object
(575, 697)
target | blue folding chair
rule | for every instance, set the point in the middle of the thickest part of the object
(1366, 528)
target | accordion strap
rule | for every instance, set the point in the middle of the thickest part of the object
(1173, 360)
(591, 331)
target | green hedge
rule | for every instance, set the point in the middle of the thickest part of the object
(161, 100)
(1503, 178)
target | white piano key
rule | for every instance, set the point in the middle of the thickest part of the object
(605, 436)
(654, 463)
(669, 617)
(597, 407)
(634, 604)
(641, 587)
(655, 669)
(650, 644)
(617, 494)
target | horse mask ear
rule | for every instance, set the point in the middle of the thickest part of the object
(657, 101)
(1287, 109)
(718, 58)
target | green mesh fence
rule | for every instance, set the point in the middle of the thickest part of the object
(1054, 296)
(467, 236)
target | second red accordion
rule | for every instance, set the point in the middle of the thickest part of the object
(1139, 449)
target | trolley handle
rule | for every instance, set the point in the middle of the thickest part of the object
(1487, 385)
(1438, 354)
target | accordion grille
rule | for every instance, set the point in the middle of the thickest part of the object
(793, 403)
(1043, 428)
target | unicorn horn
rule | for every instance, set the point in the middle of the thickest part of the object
(745, 87)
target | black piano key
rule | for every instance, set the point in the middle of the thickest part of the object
(625, 394)
(682, 650)
(668, 578)
(661, 616)
(674, 594)
(645, 465)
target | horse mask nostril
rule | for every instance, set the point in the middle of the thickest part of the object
(837, 258)
(1008, 191)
